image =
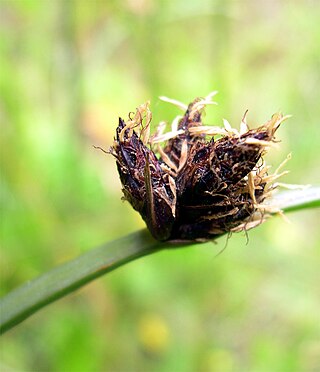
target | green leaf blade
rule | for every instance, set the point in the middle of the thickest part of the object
(66, 278)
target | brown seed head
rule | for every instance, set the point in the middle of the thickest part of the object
(195, 188)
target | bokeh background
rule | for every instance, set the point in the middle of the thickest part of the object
(68, 70)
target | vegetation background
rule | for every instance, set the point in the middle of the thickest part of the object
(68, 70)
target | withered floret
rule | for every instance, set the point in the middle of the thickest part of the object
(195, 188)
(145, 185)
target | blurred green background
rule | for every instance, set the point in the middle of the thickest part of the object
(68, 70)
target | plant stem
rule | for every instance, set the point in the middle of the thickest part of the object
(64, 279)
(295, 200)
(56, 283)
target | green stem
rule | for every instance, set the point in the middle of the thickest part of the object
(58, 282)
(295, 200)
(64, 279)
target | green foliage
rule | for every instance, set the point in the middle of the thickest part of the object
(68, 70)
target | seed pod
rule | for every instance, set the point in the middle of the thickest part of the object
(196, 188)
(147, 188)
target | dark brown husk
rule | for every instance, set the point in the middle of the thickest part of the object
(195, 188)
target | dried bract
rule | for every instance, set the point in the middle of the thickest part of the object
(196, 187)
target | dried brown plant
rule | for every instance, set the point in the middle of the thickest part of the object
(189, 187)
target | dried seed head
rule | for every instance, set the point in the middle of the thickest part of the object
(196, 188)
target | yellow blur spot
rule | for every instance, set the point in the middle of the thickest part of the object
(153, 333)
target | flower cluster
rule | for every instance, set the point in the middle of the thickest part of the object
(187, 186)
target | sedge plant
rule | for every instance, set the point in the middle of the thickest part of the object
(191, 184)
